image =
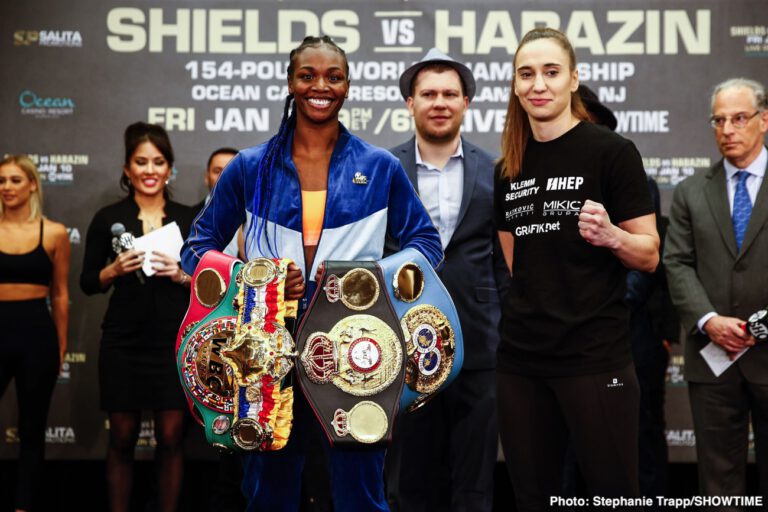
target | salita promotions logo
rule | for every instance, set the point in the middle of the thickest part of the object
(45, 107)
(11, 435)
(60, 435)
(52, 38)
(681, 437)
(54, 434)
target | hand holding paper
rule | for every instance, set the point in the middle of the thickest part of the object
(166, 240)
(718, 359)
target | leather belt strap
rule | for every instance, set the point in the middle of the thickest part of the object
(351, 350)
(208, 287)
(430, 322)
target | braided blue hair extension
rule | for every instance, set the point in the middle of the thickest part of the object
(270, 162)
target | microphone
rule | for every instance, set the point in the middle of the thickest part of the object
(117, 229)
(757, 324)
(123, 240)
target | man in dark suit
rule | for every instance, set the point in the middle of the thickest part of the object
(213, 169)
(216, 164)
(717, 265)
(444, 453)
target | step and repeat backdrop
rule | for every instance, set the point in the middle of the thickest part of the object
(75, 74)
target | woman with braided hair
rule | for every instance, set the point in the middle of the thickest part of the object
(313, 192)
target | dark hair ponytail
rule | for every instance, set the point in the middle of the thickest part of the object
(135, 135)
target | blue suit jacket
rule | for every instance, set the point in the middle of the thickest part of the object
(474, 271)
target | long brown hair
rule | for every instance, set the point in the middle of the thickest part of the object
(517, 127)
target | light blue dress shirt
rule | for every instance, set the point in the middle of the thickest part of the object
(441, 190)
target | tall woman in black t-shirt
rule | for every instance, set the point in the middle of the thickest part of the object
(573, 213)
(34, 263)
(137, 366)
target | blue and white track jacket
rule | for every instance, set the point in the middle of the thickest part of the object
(369, 195)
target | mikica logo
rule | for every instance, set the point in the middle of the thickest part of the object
(615, 383)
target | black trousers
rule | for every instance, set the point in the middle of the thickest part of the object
(598, 414)
(443, 455)
(29, 354)
(652, 438)
(721, 413)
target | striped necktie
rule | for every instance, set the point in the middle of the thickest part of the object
(742, 208)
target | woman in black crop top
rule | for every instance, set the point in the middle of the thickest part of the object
(137, 364)
(34, 262)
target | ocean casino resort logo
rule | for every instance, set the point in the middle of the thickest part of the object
(45, 107)
(50, 38)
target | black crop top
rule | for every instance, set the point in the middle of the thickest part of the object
(33, 267)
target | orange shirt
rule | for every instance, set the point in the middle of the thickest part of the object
(313, 211)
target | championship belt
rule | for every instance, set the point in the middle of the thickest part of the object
(233, 362)
(377, 338)
(209, 285)
(351, 350)
(430, 325)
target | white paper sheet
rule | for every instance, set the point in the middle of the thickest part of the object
(717, 358)
(166, 239)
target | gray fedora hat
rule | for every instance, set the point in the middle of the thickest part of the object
(435, 56)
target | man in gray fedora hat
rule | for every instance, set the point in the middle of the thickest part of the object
(444, 454)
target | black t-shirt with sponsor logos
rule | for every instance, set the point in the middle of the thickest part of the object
(564, 314)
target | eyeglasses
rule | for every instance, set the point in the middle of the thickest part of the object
(739, 120)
